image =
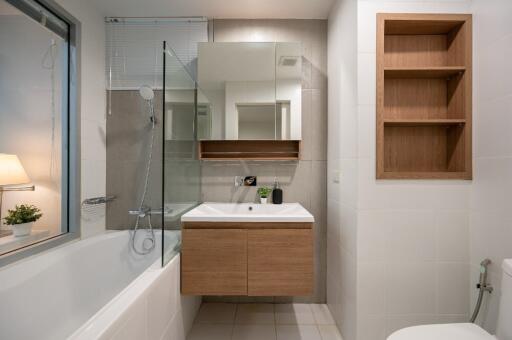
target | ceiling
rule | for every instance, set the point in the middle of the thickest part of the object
(247, 9)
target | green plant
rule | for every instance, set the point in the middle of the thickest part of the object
(263, 192)
(22, 214)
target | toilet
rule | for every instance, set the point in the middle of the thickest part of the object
(468, 331)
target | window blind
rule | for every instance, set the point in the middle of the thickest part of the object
(134, 48)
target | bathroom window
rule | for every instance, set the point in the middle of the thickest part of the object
(36, 114)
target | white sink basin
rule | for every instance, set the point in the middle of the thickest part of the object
(248, 212)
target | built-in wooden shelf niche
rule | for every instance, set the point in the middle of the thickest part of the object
(424, 96)
(249, 150)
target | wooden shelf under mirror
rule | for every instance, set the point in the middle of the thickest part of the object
(424, 73)
(249, 150)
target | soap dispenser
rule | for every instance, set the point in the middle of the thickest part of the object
(277, 193)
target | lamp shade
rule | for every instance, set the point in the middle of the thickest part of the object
(11, 171)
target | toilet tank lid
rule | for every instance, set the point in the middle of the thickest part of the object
(507, 266)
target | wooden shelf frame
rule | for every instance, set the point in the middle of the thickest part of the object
(424, 96)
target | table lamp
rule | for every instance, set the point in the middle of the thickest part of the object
(12, 177)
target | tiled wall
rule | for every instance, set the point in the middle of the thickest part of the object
(491, 216)
(303, 181)
(404, 245)
(128, 146)
(342, 155)
(93, 154)
(412, 236)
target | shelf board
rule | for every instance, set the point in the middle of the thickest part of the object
(425, 175)
(423, 72)
(416, 122)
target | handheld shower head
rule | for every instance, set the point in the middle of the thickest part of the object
(146, 92)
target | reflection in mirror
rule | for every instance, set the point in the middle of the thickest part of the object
(253, 90)
(288, 91)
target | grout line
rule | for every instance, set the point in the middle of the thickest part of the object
(234, 320)
(319, 333)
(275, 318)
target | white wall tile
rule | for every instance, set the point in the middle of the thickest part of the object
(410, 288)
(372, 236)
(452, 288)
(412, 237)
(367, 123)
(493, 138)
(371, 327)
(493, 69)
(366, 79)
(491, 20)
(371, 292)
(452, 229)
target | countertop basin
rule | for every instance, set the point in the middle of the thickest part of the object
(248, 212)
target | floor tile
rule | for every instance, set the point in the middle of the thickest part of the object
(329, 332)
(255, 313)
(254, 332)
(293, 314)
(298, 332)
(210, 332)
(216, 313)
(322, 314)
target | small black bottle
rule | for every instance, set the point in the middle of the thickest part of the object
(277, 193)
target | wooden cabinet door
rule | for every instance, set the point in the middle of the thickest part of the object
(214, 262)
(280, 262)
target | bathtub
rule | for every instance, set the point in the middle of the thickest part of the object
(93, 289)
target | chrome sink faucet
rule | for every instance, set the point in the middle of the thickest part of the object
(247, 181)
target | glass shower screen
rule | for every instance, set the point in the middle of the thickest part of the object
(181, 169)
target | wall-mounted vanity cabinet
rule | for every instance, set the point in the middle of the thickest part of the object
(250, 258)
(249, 92)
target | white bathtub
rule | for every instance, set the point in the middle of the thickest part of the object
(91, 289)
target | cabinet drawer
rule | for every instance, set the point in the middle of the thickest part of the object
(280, 262)
(214, 262)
